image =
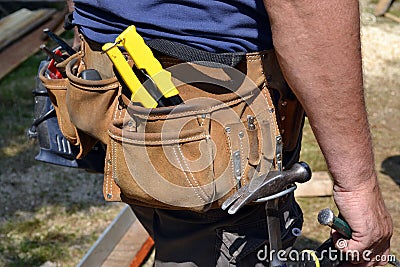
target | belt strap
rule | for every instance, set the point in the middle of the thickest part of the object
(190, 54)
(185, 52)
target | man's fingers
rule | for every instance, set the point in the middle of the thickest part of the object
(360, 258)
(383, 258)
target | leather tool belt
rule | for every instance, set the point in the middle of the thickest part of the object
(236, 123)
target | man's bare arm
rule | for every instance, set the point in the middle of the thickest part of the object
(318, 47)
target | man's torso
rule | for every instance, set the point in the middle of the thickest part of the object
(215, 26)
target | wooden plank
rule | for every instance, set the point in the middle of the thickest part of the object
(382, 7)
(133, 247)
(320, 185)
(392, 17)
(143, 253)
(19, 23)
(18, 52)
(109, 239)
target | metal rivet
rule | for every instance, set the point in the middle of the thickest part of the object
(130, 123)
(241, 134)
(109, 196)
(283, 118)
(296, 231)
(271, 110)
(109, 162)
(279, 139)
(228, 129)
(203, 116)
(284, 103)
(279, 157)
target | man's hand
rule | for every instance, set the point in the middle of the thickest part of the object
(318, 47)
(371, 231)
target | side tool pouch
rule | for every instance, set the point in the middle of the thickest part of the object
(196, 154)
(56, 136)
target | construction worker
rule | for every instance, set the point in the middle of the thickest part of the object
(318, 48)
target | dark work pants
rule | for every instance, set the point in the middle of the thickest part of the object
(215, 238)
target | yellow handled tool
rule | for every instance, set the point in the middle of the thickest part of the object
(145, 61)
(139, 93)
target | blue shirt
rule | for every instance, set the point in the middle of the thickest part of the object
(213, 25)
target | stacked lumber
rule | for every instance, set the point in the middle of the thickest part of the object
(21, 35)
(382, 9)
(21, 22)
(320, 185)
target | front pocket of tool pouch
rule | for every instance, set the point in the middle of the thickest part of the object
(165, 168)
(191, 156)
(57, 89)
(91, 103)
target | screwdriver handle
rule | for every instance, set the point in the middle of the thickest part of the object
(60, 41)
(327, 217)
(342, 227)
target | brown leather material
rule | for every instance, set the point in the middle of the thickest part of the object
(290, 113)
(254, 149)
(195, 155)
(57, 89)
(91, 104)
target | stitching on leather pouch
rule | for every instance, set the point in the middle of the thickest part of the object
(191, 174)
(209, 110)
(116, 111)
(108, 174)
(113, 154)
(242, 159)
(90, 88)
(60, 122)
(163, 142)
(187, 178)
(114, 162)
(109, 180)
(229, 146)
(272, 119)
(56, 86)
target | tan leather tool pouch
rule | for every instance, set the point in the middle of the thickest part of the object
(195, 155)
(57, 90)
(91, 103)
(191, 156)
